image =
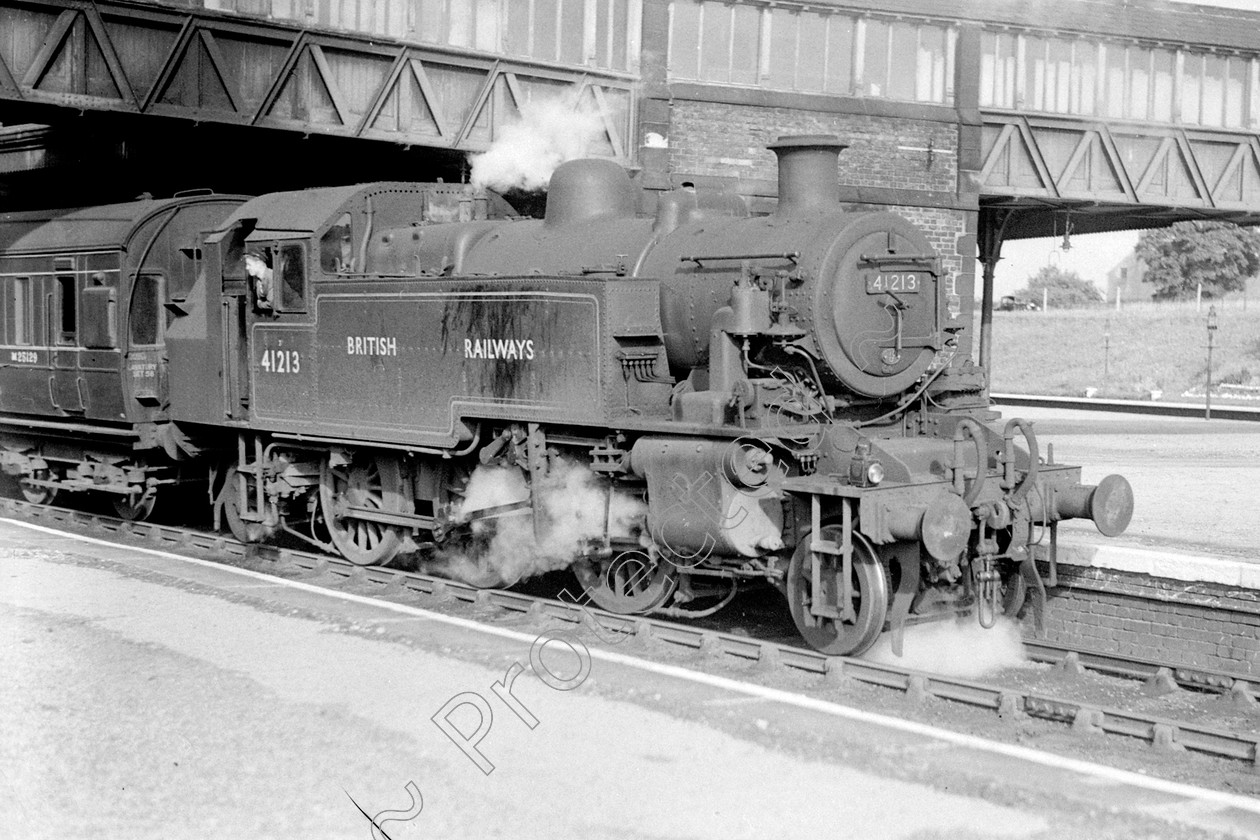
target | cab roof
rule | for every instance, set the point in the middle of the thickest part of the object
(296, 212)
(300, 213)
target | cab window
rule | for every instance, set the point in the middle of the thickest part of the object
(292, 278)
(336, 248)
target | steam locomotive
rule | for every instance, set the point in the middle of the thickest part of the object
(672, 405)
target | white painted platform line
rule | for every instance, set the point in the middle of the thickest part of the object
(1096, 772)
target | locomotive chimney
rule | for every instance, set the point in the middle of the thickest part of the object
(808, 177)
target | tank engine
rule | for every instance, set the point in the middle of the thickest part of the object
(712, 397)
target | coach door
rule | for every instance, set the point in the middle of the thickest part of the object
(146, 368)
(25, 366)
(100, 359)
(65, 385)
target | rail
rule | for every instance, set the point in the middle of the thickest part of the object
(1082, 716)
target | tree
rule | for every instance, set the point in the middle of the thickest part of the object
(1218, 255)
(1066, 289)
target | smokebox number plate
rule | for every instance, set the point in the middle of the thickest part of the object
(899, 282)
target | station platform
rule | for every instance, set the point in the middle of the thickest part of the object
(1196, 486)
(149, 695)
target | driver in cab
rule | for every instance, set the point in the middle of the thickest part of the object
(261, 275)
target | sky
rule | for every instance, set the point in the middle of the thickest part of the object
(1091, 256)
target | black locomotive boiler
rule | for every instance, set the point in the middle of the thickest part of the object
(711, 397)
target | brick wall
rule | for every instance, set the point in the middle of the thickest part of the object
(1200, 624)
(944, 229)
(724, 140)
(887, 166)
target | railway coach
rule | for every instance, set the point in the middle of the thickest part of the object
(87, 295)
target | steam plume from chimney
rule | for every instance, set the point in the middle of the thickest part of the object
(549, 132)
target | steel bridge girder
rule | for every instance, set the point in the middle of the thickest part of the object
(1069, 160)
(213, 67)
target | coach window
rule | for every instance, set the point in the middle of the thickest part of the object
(21, 317)
(292, 278)
(144, 316)
(68, 297)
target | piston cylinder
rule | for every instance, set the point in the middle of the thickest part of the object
(709, 497)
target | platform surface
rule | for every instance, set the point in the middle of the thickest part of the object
(147, 696)
(1196, 487)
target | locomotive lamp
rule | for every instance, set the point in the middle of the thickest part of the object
(1207, 391)
(865, 470)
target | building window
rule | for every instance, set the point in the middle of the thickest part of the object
(1163, 73)
(1213, 101)
(875, 55)
(587, 32)
(1236, 91)
(786, 47)
(584, 32)
(998, 66)
(1025, 71)
(1116, 65)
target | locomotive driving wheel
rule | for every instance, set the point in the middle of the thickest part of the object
(368, 483)
(1014, 590)
(136, 508)
(630, 583)
(246, 531)
(829, 633)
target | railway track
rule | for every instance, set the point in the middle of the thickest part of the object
(765, 658)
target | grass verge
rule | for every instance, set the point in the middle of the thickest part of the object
(1144, 351)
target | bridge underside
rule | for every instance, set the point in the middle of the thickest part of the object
(1042, 176)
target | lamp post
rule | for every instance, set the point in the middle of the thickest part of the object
(1207, 393)
(1107, 349)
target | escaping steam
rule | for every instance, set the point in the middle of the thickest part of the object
(549, 132)
(508, 548)
(958, 649)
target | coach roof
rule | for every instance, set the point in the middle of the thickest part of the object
(106, 226)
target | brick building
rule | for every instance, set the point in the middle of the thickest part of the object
(1125, 279)
(977, 120)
